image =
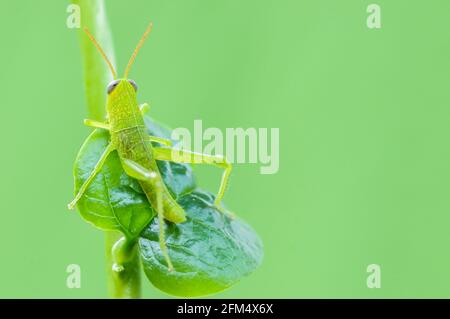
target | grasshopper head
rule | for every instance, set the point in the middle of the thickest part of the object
(121, 93)
(124, 84)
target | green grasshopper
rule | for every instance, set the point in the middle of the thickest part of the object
(129, 138)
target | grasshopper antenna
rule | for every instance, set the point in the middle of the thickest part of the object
(138, 47)
(91, 37)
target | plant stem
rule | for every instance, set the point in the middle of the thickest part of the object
(125, 284)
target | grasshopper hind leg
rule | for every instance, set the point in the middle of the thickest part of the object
(185, 156)
(162, 239)
(135, 170)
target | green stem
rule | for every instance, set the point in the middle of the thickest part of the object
(122, 267)
(126, 283)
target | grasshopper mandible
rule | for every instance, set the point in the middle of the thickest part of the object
(129, 138)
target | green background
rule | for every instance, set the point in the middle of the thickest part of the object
(364, 118)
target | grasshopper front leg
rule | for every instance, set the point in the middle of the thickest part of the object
(91, 176)
(144, 108)
(184, 156)
(96, 124)
(139, 172)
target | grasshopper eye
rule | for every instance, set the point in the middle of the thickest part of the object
(133, 84)
(112, 86)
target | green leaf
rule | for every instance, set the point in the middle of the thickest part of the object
(114, 201)
(210, 251)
